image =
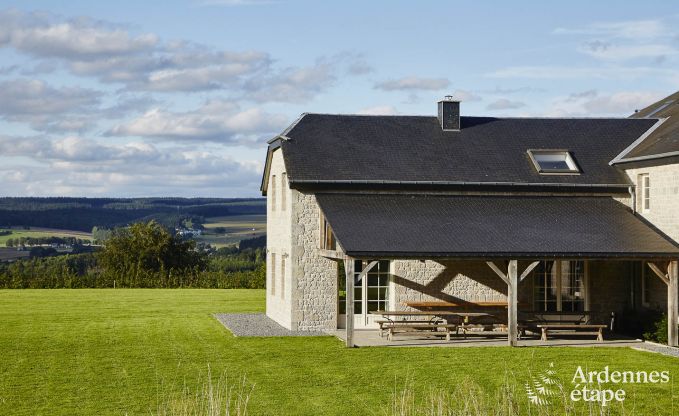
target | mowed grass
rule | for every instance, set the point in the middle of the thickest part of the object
(41, 232)
(117, 352)
(237, 227)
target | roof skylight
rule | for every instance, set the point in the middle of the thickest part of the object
(659, 109)
(554, 162)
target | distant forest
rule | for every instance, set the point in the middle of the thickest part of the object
(83, 214)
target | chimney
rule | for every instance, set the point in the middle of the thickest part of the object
(449, 114)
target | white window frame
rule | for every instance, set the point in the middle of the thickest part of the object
(535, 154)
(559, 298)
(283, 265)
(284, 182)
(273, 192)
(644, 185)
(273, 274)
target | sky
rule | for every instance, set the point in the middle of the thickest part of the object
(178, 98)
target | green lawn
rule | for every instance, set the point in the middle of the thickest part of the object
(86, 352)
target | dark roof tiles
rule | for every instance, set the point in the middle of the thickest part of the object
(414, 148)
(480, 226)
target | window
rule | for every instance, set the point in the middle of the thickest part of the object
(284, 190)
(273, 273)
(283, 275)
(371, 293)
(659, 109)
(328, 241)
(554, 162)
(644, 185)
(559, 286)
(273, 192)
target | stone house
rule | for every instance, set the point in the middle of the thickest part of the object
(544, 214)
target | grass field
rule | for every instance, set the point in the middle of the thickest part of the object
(237, 227)
(41, 232)
(116, 352)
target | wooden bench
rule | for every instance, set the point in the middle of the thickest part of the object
(580, 329)
(395, 327)
(384, 324)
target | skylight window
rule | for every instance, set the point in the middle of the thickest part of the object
(554, 162)
(659, 109)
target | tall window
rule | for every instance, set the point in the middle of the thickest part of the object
(644, 186)
(273, 192)
(328, 241)
(283, 275)
(273, 273)
(559, 286)
(284, 190)
(371, 293)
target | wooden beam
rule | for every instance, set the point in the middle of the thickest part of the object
(349, 271)
(528, 270)
(673, 304)
(512, 303)
(366, 270)
(659, 272)
(497, 271)
(332, 254)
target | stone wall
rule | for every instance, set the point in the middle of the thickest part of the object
(664, 187)
(314, 302)
(279, 290)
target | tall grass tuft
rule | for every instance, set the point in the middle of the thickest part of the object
(467, 398)
(223, 398)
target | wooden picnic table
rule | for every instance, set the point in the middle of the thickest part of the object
(437, 319)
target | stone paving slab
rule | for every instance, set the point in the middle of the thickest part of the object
(259, 325)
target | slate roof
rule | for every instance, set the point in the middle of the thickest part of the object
(407, 149)
(400, 225)
(663, 141)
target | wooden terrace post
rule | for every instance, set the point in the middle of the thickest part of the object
(349, 269)
(512, 303)
(672, 303)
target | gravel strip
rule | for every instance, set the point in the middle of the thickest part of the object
(659, 348)
(259, 325)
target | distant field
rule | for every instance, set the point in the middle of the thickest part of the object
(236, 228)
(41, 232)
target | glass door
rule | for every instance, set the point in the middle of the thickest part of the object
(371, 293)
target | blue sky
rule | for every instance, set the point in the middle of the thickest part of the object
(177, 98)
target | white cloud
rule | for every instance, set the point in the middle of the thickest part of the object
(574, 72)
(613, 52)
(464, 95)
(40, 35)
(76, 166)
(594, 103)
(413, 83)
(380, 110)
(633, 29)
(218, 121)
(505, 104)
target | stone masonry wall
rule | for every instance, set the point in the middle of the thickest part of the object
(279, 245)
(451, 281)
(314, 305)
(664, 187)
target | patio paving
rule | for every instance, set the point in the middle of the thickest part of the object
(371, 338)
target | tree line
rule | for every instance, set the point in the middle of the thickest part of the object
(144, 255)
(40, 241)
(84, 213)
